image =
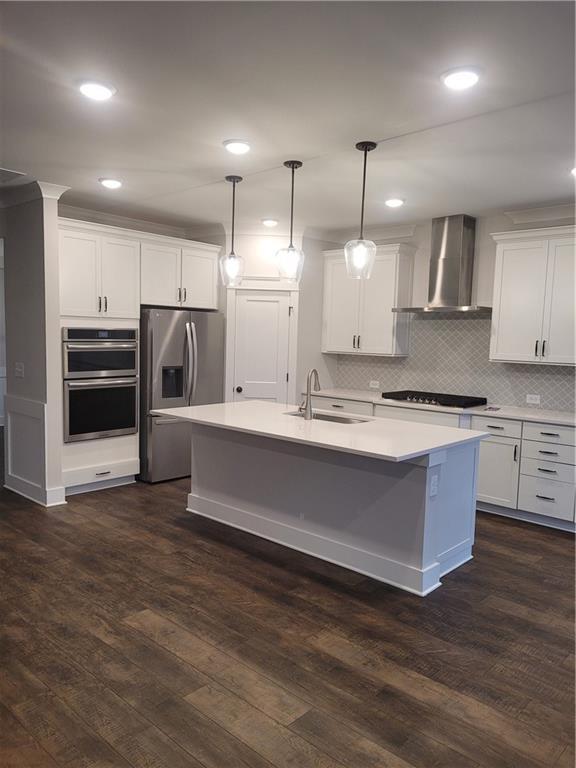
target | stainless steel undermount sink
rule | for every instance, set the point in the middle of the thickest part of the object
(330, 417)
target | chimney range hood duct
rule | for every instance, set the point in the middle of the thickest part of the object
(451, 268)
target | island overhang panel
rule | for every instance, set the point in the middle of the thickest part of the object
(405, 523)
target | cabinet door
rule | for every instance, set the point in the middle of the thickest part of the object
(376, 329)
(79, 257)
(160, 275)
(518, 311)
(498, 471)
(341, 308)
(120, 260)
(559, 340)
(199, 279)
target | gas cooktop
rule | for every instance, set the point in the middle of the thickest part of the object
(435, 398)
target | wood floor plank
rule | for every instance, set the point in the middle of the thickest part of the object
(279, 745)
(120, 604)
(220, 667)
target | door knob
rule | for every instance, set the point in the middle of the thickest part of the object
(238, 389)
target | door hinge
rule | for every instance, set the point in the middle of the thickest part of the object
(290, 310)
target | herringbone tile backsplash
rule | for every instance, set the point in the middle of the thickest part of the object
(451, 355)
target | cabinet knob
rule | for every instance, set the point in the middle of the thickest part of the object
(238, 389)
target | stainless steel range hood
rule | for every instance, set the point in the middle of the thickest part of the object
(451, 268)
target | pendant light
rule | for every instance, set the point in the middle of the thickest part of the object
(360, 254)
(291, 259)
(232, 265)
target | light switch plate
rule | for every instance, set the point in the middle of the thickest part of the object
(19, 370)
(533, 399)
(374, 385)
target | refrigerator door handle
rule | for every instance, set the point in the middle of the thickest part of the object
(195, 350)
(189, 355)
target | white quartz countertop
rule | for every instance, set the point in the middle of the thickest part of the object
(566, 418)
(385, 439)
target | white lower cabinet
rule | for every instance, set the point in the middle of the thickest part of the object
(342, 405)
(415, 414)
(550, 498)
(498, 471)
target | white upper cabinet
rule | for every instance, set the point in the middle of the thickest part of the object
(341, 307)
(199, 277)
(110, 272)
(120, 277)
(79, 260)
(558, 338)
(533, 310)
(358, 317)
(160, 274)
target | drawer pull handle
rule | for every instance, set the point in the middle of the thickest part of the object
(548, 471)
(493, 426)
(550, 434)
(549, 453)
(334, 405)
(99, 474)
(545, 498)
(516, 452)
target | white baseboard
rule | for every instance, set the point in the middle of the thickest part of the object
(418, 581)
(101, 485)
(52, 497)
(527, 517)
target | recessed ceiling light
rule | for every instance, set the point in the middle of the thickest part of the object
(270, 222)
(97, 91)
(237, 146)
(395, 202)
(110, 183)
(460, 79)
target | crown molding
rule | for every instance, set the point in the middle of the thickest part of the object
(26, 193)
(547, 213)
(92, 216)
(534, 234)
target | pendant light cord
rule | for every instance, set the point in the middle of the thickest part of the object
(292, 210)
(233, 216)
(363, 196)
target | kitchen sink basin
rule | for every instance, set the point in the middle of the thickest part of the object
(330, 417)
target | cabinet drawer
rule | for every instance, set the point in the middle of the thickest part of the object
(415, 414)
(565, 454)
(550, 433)
(347, 406)
(501, 427)
(547, 497)
(548, 469)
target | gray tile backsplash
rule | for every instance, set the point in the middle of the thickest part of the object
(451, 355)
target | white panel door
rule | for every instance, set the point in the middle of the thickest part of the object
(79, 257)
(559, 341)
(518, 311)
(261, 346)
(376, 326)
(199, 279)
(160, 275)
(498, 471)
(341, 308)
(120, 265)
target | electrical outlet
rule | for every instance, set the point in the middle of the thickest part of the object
(19, 370)
(374, 385)
(533, 399)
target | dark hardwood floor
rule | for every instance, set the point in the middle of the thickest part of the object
(135, 635)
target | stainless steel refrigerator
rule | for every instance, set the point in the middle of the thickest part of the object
(181, 363)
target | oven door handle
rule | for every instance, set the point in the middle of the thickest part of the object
(103, 383)
(101, 345)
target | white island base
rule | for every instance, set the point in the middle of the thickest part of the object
(406, 522)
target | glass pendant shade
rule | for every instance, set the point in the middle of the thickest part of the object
(232, 265)
(231, 270)
(359, 256)
(290, 263)
(291, 260)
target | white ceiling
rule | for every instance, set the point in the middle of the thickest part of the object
(297, 80)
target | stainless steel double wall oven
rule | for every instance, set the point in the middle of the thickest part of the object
(100, 372)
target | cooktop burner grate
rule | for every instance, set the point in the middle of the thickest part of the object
(435, 398)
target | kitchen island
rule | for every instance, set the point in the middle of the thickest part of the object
(390, 499)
